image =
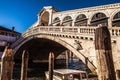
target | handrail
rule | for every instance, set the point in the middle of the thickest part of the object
(66, 30)
(115, 31)
(59, 29)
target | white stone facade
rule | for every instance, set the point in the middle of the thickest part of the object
(48, 14)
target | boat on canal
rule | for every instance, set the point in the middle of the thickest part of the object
(67, 74)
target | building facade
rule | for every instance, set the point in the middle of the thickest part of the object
(7, 37)
(107, 15)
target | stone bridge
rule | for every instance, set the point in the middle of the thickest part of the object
(40, 40)
(71, 30)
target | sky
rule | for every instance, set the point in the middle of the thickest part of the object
(23, 13)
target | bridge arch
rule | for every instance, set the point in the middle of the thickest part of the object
(67, 21)
(63, 43)
(44, 19)
(81, 20)
(56, 21)
(99, 18)
(116, 18)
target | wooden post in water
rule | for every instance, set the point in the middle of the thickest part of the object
(71, 59)
(67, 60)
(51, 65)
(24, 66)
(104, 54)
(7, 64)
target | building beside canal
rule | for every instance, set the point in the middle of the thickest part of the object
(7, 37)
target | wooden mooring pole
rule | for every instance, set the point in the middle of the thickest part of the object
(24, 66)
(104, 54)
(7, 64)
(51, 65)
(67, 60)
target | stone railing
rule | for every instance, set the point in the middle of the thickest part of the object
(86, 31)
(59, 30)
(114, 31)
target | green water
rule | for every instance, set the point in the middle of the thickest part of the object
(35, 71)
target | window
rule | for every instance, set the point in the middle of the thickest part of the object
(67, 18)
(56, 20)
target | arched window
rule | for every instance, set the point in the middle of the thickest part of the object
(99, 18)
(116, 20)
(44, 19)
(56, 21)
(67, 21)
(81, 20)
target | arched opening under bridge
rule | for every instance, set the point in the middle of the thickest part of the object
(39, 49)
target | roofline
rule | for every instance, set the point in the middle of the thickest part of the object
(51, 7)
(9, 29)
(92, 7)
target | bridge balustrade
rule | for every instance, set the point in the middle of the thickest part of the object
(59, 30)
(115, 31)
(67, 30)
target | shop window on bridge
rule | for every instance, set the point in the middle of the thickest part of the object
(56, 21)
(99, 18)
(116, 20)
(81, 20)
(67, 21)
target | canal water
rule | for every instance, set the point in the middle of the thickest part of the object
(36, 71)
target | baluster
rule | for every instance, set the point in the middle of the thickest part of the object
(94, 31)
(87, 30)
(84, 30)
(61, 29)
(114, 32)
(78, 30)
(118, 32)
(72, 29)
(91, 31)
